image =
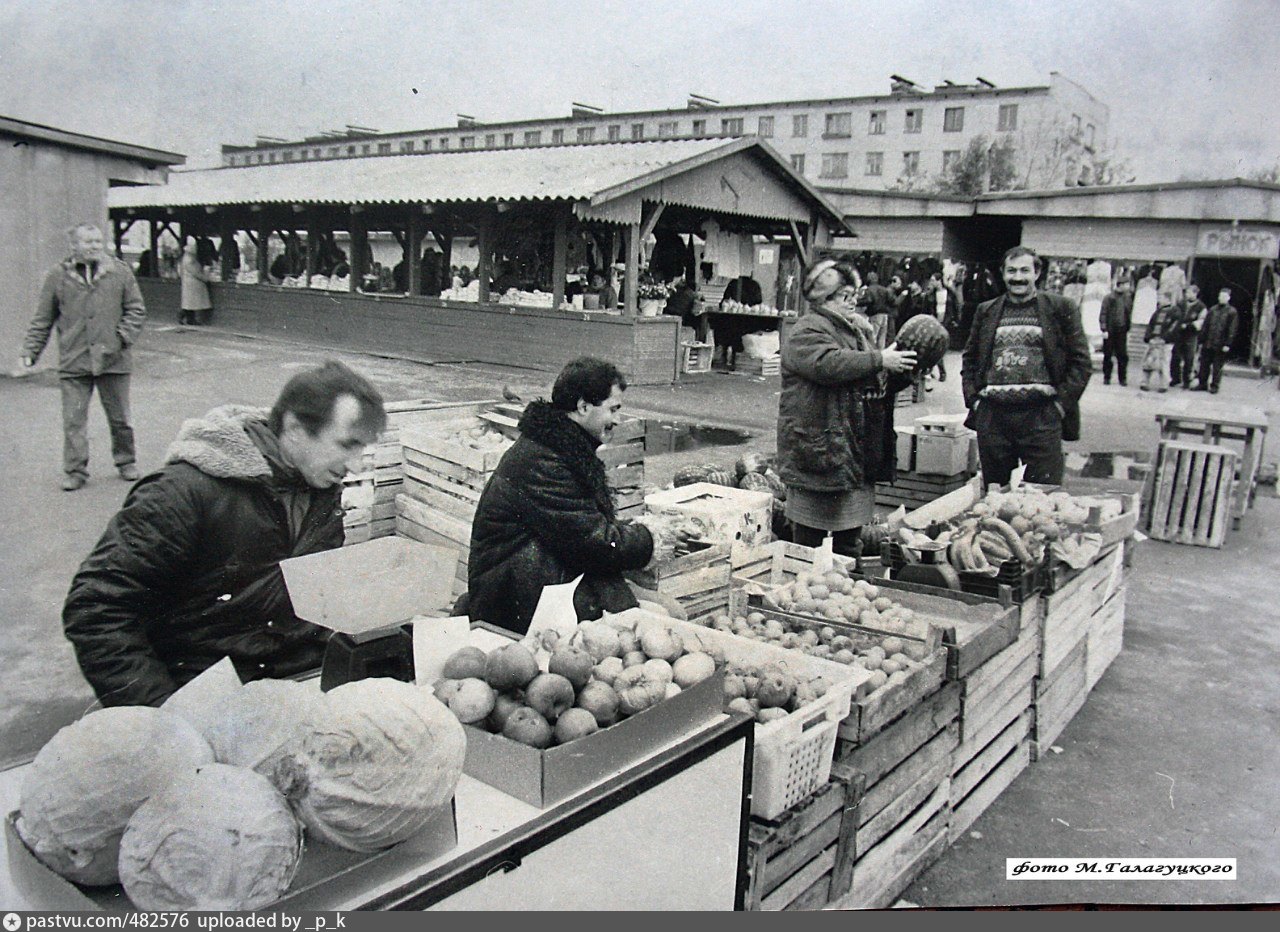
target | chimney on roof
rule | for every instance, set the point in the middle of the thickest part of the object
(984, 82)
(900, 85)
(701, 102)
(585, 110)
(466, 121)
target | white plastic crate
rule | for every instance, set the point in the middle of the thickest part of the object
(792, 755)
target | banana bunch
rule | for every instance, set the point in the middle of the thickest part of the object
(983, 544)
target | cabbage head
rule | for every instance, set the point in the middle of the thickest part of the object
(222, 838)
(375, 766)
(85, 783)
(250, 727)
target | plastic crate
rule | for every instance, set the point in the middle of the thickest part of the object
(792, 755)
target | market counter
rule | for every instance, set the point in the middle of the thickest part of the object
(440, 330)
(666, 833)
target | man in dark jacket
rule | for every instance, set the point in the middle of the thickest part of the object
(94, 302)
(1026, 364)
(547, 516)
(1115, 320)
(188, 571)
(1219, 331)
(1191, 315)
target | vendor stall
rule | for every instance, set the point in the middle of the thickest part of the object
(535, 215)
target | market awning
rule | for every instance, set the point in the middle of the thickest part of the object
(742, 176)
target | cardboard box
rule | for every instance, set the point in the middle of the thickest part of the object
(544, 778)
(948, 425)
(737, 516)
(906, 439)
(941, 454)
(328, 878)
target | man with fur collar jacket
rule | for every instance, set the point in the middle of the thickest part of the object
(1026, 364)
(188, 571)
(547, 516)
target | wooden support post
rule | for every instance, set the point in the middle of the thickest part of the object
(559, 258)
(358, 241)
(227, 243)
(445, 240)
(801, 246)
(313, 242)
(118, 230)
(153, 243)
(646, 229)
(484, 267)
(264, 260)
(633, 269)
(413, 250)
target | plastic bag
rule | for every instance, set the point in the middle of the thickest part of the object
(761, 345)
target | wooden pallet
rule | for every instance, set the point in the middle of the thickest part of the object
(791, 860)
(764, 368)
(695, 357)
(1192, 493)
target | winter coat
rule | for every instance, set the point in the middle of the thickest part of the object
(1163, 326)
(1191, 315)
(188, 571)
(1117, 312)
(195, 293)
(835, 413)
(545, 517)
(97, 320)
(1219, 327)
(1066, 353)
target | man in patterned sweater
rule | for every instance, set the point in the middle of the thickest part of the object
(1025, 367)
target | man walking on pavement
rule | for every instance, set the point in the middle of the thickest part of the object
(1191, 315)
(1115, 319)
(1219, 330)
(1025, 366)
(94, 301)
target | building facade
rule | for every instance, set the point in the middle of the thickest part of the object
(51, 180)
(877, 142)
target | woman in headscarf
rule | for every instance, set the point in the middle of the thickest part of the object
(835, 414)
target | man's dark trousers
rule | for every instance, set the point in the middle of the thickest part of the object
(1183, 365)
(113, 392)
(1012, 433)
(1115, 345)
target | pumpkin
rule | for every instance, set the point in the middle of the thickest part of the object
(926, 335)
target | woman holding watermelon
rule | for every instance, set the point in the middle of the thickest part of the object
(835, 413)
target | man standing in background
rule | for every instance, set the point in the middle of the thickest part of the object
(1115, 319)
(1219, 330)
(1191, 314)
(94, 301)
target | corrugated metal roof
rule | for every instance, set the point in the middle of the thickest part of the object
(571, 172)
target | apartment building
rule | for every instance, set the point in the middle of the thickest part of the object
(874, 142)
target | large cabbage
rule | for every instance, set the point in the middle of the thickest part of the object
(375, 767)
(89, 778)
(250, 727)
(222, 838)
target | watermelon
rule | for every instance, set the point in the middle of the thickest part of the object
(755, 482)
(776, 484)
(749, 463)
(721, 477)
(688, 475)
(926, 335)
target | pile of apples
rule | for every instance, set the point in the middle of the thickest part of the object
(770, 692)
(547, 690)
(481, 438)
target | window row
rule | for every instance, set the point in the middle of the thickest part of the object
(835, 126)
(836, 164)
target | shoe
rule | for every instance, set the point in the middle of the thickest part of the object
(1144, 388)
(1106, 381)
(73, 482)
(128, 472)
(1162, 390)
(1213, 391)
(943, 377)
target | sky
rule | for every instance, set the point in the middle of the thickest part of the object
(1190, 83)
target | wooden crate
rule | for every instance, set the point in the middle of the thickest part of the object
(996, 694)
(764, 368)
(695, 357)
(791, 859)
(973, 627)
(419, 521)
(1059, 697)
(1192, 489)
(699, 581)
(1106, 638)
(979, 781)
(913, 490)
(1068, 613)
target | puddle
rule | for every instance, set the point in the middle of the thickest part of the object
(676, 436)
(1129, 464)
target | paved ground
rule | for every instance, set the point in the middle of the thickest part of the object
(1175, 754)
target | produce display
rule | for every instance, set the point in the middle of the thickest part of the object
(547, 690)
(210, 813)
(675, 535)
(770, 692)
(1022, 525)
(751, 471)
(481, 437)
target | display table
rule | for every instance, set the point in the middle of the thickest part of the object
(667, 833)
(1213, 422)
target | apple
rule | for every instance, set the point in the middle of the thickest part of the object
(549, 694)
(510, 667)
(472, 700)
(528, 727)
(503, 706)
(465, 663)
(574, 724)
(444, 688)
(607, 670)
(573, 663)
(601, 700)
(693, 668)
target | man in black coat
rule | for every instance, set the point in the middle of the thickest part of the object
(1215, 343)
(188, 571)
(1114, 320)
(1026, 364)
(547, 516)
